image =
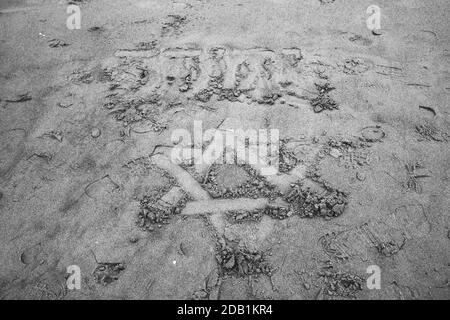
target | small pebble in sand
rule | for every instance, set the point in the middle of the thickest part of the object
(377, 32)
(133, 239)
(95, 133)
(335, 153)
(360, 176)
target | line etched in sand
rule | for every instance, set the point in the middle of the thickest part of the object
(122, 53)
(281, 180)
(217, 148)
(219, 206)
(173, 196)
(184, 179)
